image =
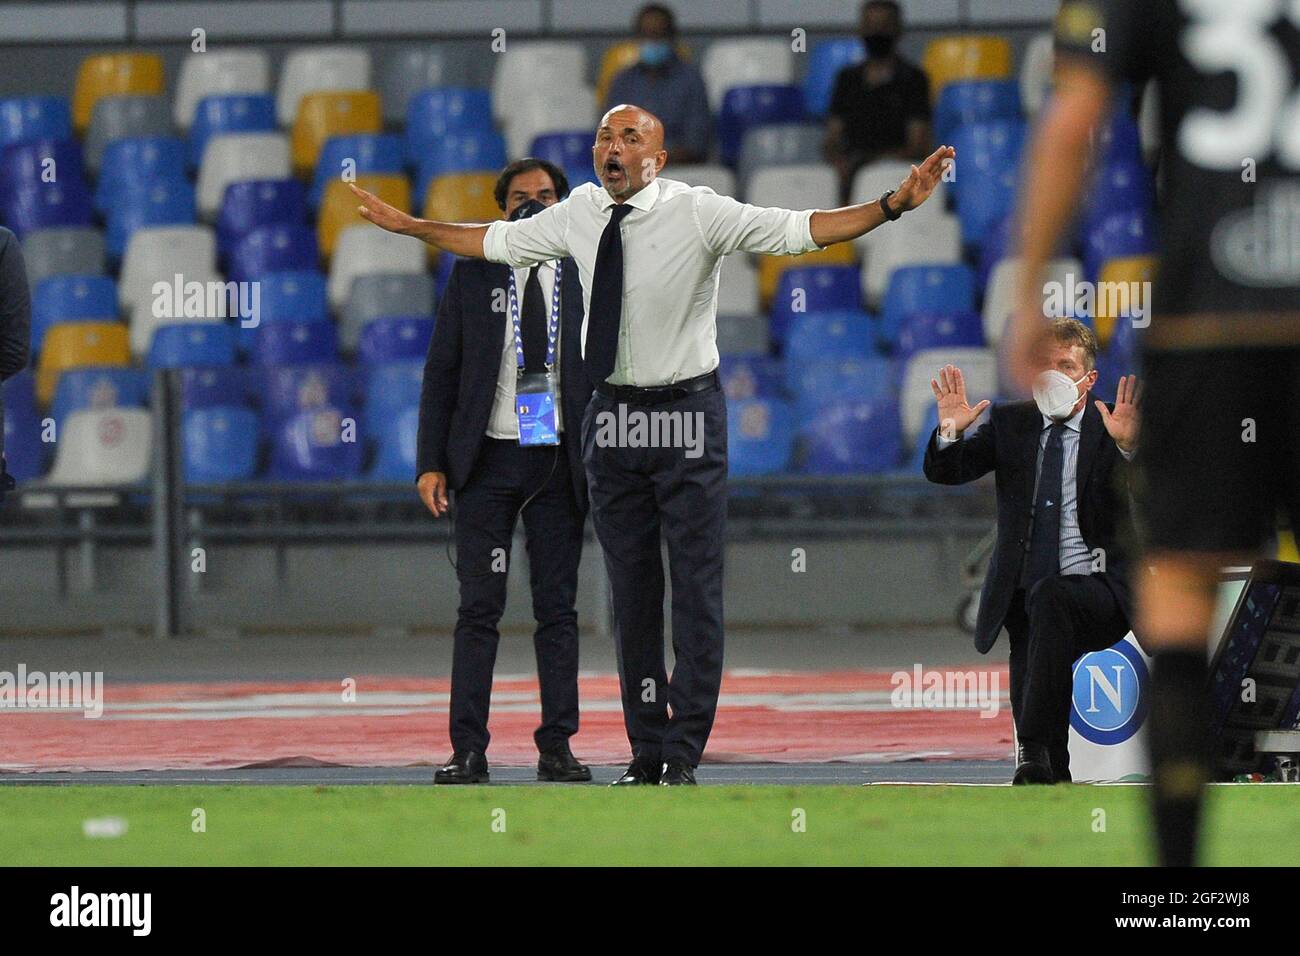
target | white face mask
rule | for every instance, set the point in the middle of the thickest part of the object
(1055, 394)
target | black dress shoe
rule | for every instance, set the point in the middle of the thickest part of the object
(638, 773)
(1033, 765)
(558, 765)
(1061, 766)
(677, 774)
(465, 766)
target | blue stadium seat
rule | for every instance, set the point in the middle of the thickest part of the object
(935, 330)
(24, 118)
(997, 245)
(938, 288)
(818, 383)
(162, 203)
(20, 391)
(460, 151)
(931, 422)
(71, 298)
(814, 289)
(392, 386)
(46, 206)
(760, 436)
(277, 247)
(368, 153)
(396, 458)
(286, 390)
(393, 339)
(1119, 140)
(25, 453)
(220, 443)
(204, 387)
(745, 107)
(752, 376)
(99, 387)
(229, 113)
(188, 344)
(294, 296)
(1118, 235)
(825, 61)
(814, 336)
(258, 202)
(135, 163)
(310, 446)
(849, 437)
(433, 113)
(570, 150)
(988, 162)
(295, 342)
(974, 101)
(29, 164)
(1119, 187)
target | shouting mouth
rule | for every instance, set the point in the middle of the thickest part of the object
(614, 172)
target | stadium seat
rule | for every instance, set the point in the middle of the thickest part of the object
(123, 117)
(570, 150)
(813, 289)
(391, 387)
(384, 295)
(295, 342)
(713, 175)
(974, 101)
(189, 344)
(745, 62)
(46, 206)
(462, 197)
(814, 384)
(258, 202)
(104, 446)
(825, 61)
(328, 113)
(771, 267)
(1118, 236)
(76, 345)
(949, 288)
(71, 298)
(226, 114)
(816, 336)
(932, 240)
(409, 70)
(26, 118)
(25, 452)
(395, 460)
(217, 385)
(528, 68)
(113, 74)
(1119, 139)
(160, 203)
(752, 376)
(35, 163)
(394, 339)
(435, 113)
(921, 443)
(77, 250)
(356, 155)
(539, 111)
(1122, 292)
(137, 162)
(278, 247)
(1117, 187)
(1000, 298)
(743, 334)
(988, 168)
(219, 444)
(111, 387)
(737, 287)
(760, 436)
(748, 107)
(851, 437)
(145, 321)
(234, 157)
(1036, 65)
(338, 209)
(938, 330)
(311, 446)
(979, 369)
(287, 390)
(218, 73)
(778, 145)
(965, 57)
(874, 178)
(463, 151)
(810, 186)
(315, 69)
(157, 254)
(293, 296)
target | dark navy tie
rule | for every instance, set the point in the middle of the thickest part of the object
(606, 311)
(1044, 557)
(532, 321)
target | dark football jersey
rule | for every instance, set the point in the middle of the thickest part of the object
(1228, 80)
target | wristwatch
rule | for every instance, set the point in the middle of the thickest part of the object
(892, 214)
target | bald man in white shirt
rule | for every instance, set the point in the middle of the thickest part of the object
(654, 437)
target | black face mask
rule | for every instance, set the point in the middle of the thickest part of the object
(525, 209)
(879, 44)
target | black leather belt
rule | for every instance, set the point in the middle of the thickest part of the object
(658, 394)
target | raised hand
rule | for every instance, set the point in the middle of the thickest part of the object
(381, 213)
(955, 413)
(1122, 423)
(920, 182)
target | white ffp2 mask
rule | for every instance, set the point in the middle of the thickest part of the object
(1055, 394)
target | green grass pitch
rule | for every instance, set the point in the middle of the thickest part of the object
(730, 825)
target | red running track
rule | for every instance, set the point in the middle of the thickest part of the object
(777, 717)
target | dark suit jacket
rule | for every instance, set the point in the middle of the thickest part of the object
(1007, 445)
(15, 314)
(460, 373)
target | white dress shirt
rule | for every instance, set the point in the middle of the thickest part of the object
(503, 422)
(673, 244)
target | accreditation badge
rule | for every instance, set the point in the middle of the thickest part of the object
(535, 409)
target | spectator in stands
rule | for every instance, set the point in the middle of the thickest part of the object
(15, 325)
(470, 441)
(879, 108)
(661, 82)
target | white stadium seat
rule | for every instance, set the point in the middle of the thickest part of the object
(1036, 73)
(234, 157)
(158, 253)
(529, 69)
(105, 446)
(1000, 297)
(738, 286)
(217, 72)
(537, 113)
(935, 240)
(979, 368)
(365, 250)
(311, 69)
(729, 63)
(794, 187)
(714, 175)
(874, 178)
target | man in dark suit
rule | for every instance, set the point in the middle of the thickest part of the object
(469, 443)
(15, 326)
(1058, 579)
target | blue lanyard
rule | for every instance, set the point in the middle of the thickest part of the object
(552, 325)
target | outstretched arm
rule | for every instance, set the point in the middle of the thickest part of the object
(463, 239)
(830, 226)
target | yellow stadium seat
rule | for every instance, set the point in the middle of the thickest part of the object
(331, 113)
(462, 197)
(951, 58)
(1116, 295)
(1286, 546)
(771, 267)
(113, 74)
(76, 345)
(617, 59)
(338, 208)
